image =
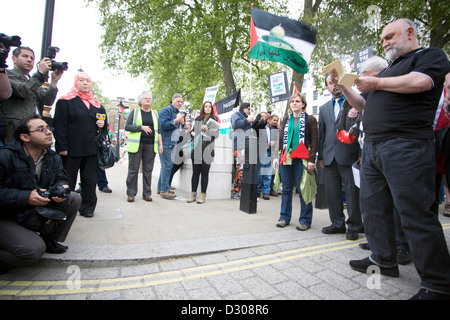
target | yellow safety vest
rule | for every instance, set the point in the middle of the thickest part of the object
(134, 138)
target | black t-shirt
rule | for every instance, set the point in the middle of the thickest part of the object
(147, 120)
(396, 115)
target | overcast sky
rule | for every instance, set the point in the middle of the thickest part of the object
(77, 33)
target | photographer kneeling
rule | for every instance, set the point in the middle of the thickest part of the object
(36, 208)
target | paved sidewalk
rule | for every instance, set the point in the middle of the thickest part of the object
(146, 231)
(143, 231)
(173, 250)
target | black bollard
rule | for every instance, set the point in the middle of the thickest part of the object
(321, 196)
(249, 185)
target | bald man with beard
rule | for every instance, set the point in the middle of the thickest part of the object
(398, 160)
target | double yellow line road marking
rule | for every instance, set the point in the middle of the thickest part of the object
(79, 286)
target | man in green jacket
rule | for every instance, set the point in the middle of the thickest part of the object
(27, 91)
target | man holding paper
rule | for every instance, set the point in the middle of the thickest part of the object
(398, 161)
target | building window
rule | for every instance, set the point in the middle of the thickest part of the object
(315, 95)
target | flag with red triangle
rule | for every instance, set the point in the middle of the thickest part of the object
(216, 114)
(280, 39)
(301, 152)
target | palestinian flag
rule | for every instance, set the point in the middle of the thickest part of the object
(281, 39)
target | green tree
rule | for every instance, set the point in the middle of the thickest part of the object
(98, 94)
(183, 46)
(187, 45)
(343, 29)
(432, 18)
(310, 9)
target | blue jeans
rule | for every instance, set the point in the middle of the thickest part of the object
(264, 174)
(289, 175)
(402, 172)
(166, 169)
(102, 180)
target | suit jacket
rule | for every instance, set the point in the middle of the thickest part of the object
(75, 127)
(329, 146)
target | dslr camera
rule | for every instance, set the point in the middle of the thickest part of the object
(8, 41)
(56, 191)
(51, 54)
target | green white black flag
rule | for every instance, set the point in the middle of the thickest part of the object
(281, 39)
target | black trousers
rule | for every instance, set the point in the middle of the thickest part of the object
(87, 167)
(20, 247)
(197, 170)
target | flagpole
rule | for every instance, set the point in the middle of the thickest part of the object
(250, 92)
(250, 66)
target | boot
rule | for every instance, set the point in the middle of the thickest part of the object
(192, 198)
(202, 198)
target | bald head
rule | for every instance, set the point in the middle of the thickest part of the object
(398, 38)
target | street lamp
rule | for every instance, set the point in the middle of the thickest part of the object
(374, 13)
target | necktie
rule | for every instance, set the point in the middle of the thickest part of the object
(337, 107)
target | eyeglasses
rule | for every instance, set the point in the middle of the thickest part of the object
(43, 129)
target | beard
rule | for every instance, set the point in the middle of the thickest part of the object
(337, 92)
(398, 49)
(392, 54)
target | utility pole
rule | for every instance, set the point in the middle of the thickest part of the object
(48, 26)
(46, 42)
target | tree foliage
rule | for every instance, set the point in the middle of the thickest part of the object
(343, 27)
(187, 45)
(98, 94)
(183, 46)
(432, 18)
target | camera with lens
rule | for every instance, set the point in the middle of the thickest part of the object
(51, 54)
(56, 191)
(8, 41)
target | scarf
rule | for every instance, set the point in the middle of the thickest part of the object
(294, 138)
(86, 97)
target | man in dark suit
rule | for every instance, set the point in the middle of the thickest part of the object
(337, 158)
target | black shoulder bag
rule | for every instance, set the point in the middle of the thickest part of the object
(106, 153)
